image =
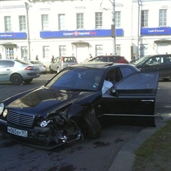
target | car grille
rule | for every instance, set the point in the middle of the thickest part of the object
(20, 119)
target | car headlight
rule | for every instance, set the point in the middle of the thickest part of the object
(44, 123)
(1, 108)
(5, 112)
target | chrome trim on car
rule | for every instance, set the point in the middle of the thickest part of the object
(130, 115)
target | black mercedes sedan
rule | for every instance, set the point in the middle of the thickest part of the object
(72, 105)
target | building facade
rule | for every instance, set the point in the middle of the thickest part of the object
(81, 28)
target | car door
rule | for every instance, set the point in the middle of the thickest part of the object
(164, 66)
(134, 96)
(5, 70)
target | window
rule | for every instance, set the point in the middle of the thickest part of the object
(61, 21)
(7, 20)
(117, 19)
(80, 22)
(62, 50)
(143, 50)
(99, 50)
(22, 23)
(118, 49)
(144, 18)
(162, 17)
(23, 52)
(45, 51)
(98, 18)
(45, 22)
(10, 52)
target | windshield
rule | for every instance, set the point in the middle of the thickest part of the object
(142, 60)
(77, 79)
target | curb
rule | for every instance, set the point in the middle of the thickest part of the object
(125, 158)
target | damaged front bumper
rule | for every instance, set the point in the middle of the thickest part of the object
(44, 138)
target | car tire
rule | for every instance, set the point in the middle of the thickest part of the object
(28, 81)
(50, 69)
(16, 79)
(91, 127)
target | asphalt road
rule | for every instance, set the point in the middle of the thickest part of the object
(85, 155)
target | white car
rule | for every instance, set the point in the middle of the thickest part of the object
(16, 71)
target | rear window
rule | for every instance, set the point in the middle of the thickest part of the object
(69, 59)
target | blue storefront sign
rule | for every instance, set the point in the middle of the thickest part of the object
(156, 31)
(79, 33)
(13, 35)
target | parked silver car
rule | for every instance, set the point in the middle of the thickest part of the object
(42, 67)
(16, 71)
(61, 62)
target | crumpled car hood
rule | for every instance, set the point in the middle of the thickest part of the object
(44, 100)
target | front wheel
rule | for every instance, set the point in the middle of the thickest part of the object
(91, 127)
(16, 79)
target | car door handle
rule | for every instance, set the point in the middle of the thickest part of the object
(147, 101)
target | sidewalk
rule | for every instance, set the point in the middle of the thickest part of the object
(125, 158)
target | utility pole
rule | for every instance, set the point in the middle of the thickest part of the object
(113, 28)
(28, 30)
(138, 30)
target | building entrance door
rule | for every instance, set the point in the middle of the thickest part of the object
(163, 48)
(9, 52)
(82, 53)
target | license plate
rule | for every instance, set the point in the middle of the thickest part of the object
(18, 132)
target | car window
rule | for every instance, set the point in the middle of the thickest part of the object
(167, 60)
(4, 64)
(22, 62)
(75, 79)
(139, 80)
(126, 71)
(69, 59)
(56, 60)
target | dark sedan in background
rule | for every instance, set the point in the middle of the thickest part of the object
(108, 58)
(159, 62)
(71, 106)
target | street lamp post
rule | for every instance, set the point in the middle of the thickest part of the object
(113, 29)
(28, 30)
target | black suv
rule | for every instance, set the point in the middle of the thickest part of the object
(160, 62)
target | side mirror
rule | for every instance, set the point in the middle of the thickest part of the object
(114, 92)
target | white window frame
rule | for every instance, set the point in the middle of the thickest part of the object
(99, 50)
(45, 21)
(62, 50)
(9, 52)
(143, 50)
(117, 18)
(98, 20)
(80, 20)
(46, 51)
(118, 49)
(22, 23)
(61, 21)
(7, 23)
(24, 52)
(144, 18)
(162, 17)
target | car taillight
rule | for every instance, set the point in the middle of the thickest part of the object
(62, 59)
(29, 68)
